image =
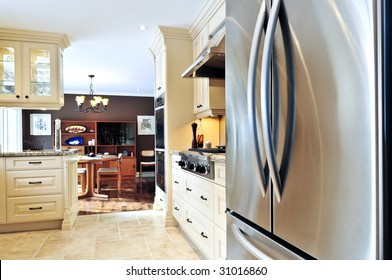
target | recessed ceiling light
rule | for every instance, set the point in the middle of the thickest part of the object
(143, 27)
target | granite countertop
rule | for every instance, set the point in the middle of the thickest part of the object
(219, 158)
(33, 153)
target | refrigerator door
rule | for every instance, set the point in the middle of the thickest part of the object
(246, 193)
(328, 201)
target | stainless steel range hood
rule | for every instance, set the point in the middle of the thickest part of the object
(211, 62)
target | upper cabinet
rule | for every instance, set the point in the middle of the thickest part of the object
(209, 93)
(31, 74)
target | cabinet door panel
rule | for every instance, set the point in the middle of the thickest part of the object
(40, 72)
(10, 70)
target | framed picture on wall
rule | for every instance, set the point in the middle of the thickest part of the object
(145, 125)
(40, 124)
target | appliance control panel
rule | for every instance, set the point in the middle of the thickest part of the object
(198, 166)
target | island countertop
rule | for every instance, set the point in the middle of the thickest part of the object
(34, 153)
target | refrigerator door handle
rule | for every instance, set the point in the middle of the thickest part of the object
(265, 98)
(248, 245)
(262, 175)
(278, 177)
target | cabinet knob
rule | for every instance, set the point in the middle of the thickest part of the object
(17, 96)
(26, 96)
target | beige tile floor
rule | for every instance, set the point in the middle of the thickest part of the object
(137, 235)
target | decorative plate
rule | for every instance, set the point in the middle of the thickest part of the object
(74, 141)
(75, 129)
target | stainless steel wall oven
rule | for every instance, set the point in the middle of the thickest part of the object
(160, 140)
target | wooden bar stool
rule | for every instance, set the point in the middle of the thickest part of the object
(82, 179)
(144, 154)
(104, 173)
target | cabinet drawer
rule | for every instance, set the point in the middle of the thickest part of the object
(178, 182)
(199, 194)
(178, 208)
(24, 183)
(200, 230)
(23, 163)
(37, 208)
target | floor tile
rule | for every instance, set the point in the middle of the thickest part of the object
(137, 235)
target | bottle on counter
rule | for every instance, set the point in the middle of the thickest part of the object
(200, 136)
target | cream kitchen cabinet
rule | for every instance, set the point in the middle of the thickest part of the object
(31, 74)
(209, 94)
(40, 192)
(172, 53)
(199, 207)
(160, 71)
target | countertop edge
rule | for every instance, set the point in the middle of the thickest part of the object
(38, 153)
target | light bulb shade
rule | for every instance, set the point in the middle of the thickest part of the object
(79, 99)
(105, 101)
(98, 99)
(93, 102)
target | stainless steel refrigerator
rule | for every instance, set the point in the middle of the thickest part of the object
(307, 124)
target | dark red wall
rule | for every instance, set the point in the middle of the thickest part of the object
(121, 108)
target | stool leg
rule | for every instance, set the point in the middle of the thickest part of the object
(140, 177)
(119, 186)
(83, 183)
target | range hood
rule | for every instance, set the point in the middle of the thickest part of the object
(211, 62)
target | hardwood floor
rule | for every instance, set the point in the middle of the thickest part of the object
(133, 197)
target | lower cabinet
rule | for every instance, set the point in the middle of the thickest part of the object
(199, 207)
(38, 189)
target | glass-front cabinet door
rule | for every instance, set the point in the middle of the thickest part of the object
(10, 71)
(40, 72)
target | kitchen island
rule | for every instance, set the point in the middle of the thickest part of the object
(38, 190)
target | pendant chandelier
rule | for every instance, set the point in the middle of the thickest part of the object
(97, 103)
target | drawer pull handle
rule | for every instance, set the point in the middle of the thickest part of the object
(176, 208)
(203, 235)
(188, 189)
(35, 183)
(203, 198)
(35, 162)
(176, 182)
(35, 208)
(188, 220)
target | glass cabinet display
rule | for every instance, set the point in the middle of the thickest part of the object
(31, 74)
(8, 62)
(40, 72)
(110, 133)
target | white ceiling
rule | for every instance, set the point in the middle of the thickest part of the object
(104, 36)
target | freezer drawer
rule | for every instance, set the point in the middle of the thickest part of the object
(247, 243)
